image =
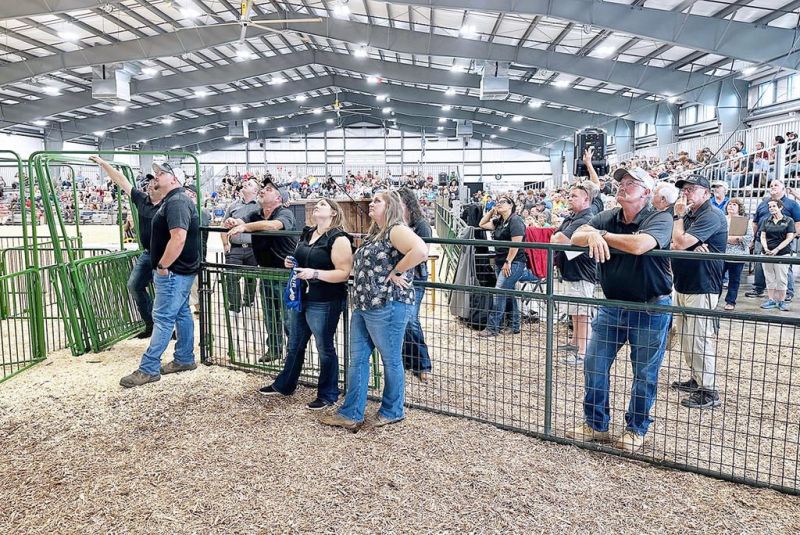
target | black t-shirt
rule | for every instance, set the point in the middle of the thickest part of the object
(776, 232)
(422, 229)
(317, 255)
(581, 268)
(176, 210)
(504, 231)
(709, 226)
(627, 277)
(271, 251)
(145, 211)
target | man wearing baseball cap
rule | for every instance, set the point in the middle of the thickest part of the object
(634, 227)
(175, 255)
(146, 201)
(698, 284)
(270, 251)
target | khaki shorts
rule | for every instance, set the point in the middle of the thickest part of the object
(577, 289)
(777, 276)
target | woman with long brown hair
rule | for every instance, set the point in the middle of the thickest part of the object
(382, 305)
(322, 260)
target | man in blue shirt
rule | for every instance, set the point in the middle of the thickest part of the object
(720, 198)
(777, 190)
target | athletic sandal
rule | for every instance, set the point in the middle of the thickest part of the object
(729, 306)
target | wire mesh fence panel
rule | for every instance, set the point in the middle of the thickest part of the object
(18, 327)
(245, 323)
(108, 311)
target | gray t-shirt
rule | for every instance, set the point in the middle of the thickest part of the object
(238, 209)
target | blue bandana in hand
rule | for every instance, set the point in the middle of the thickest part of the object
(291, 295)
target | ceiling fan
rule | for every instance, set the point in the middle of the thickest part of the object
(339, 108)
(245, 21)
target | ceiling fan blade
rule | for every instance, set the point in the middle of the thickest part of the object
(284, 21)
(242, 33)
(299, 35)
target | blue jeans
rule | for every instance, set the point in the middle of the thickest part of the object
(382, 328)
(500, 302)
(319, 318)
(140, 278)
(733, 270)
(647, 335)
(415, 351)
(170, 309)
(272, 308)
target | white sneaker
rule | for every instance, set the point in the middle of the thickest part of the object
(584, 433)
(629, 441)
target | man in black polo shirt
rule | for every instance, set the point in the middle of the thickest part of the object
(698, 284)
(142, 273)
(635, 227)
(175, 254)
(580, 273)
(239, 248)
(270, 252)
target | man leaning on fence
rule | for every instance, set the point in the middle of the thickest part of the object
(175, 254)
(142, 273)
(633, 228)
(238, 249)
(698, 284)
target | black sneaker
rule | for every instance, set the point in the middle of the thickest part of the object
(269, 391)
(269, 357)
(788, 298)
(686, 386)
(754, 293)
(318, 405)
(146, 333)
(702, 399)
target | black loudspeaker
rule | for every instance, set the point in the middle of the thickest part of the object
(591, 137)
(443, 179)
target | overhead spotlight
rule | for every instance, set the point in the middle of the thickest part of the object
(442, 119)
(561, 83)
(174, 147)
(227, 138)
(373, 79)
(672, 100)
(68, 32)
(535, 104)
(150, 71)
(341, 9)
(199, 151)
(201, 94)
(604, 51)
(440, 128)
(142, 141)
(202, 130)
(261, 120)
(301, 98)
(747, 71)
(361, 52)
(98, 133)
(281, 129)
(278, 80)
(447, 107)
(190, 10)
(504, 129)
(167, 120)
(243, 53)
(516, 118)
(468, 31)
(387, 110)
(458, 69)
(382, 98)
(317, 111)
(51, 90)
(236, 109)
(40, 122)
(329, 120)
(493, 136)
(450, 92)
(119, 109)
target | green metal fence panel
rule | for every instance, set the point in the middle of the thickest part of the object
(18, 327)
(107, 309)
(239, 318)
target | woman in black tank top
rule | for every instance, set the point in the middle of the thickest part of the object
(324, 258)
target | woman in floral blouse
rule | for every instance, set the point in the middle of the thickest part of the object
(383, 303)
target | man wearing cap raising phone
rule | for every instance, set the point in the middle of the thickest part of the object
(146, 203)
(175, 255)
(698, 284)
(635, 227)
(270, 251)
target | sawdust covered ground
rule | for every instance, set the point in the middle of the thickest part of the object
(202, 452)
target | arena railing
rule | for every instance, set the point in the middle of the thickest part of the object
(19, 324)
(518, 381)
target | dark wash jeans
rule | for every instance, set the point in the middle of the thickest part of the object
(140, 278)
(415, 351)
(318, 318)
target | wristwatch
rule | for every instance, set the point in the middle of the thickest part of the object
(602, 233)
(316, 275)
(159, 266)
(677, 217)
